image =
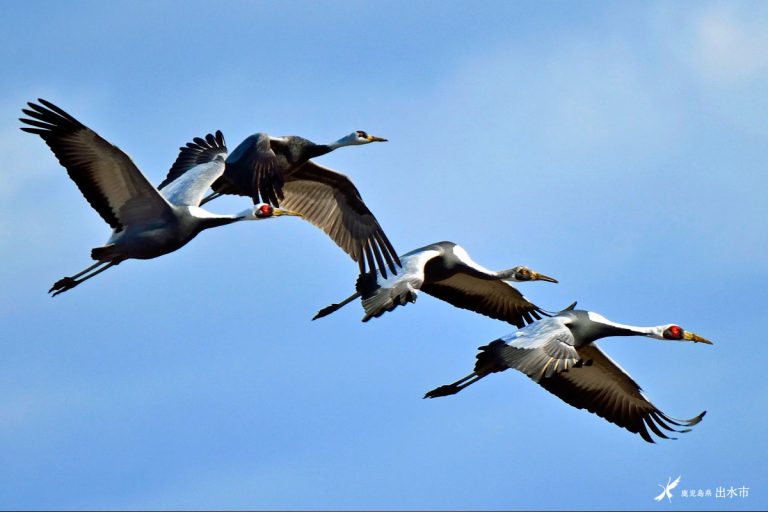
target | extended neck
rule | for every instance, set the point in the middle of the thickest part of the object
(605, 328)
(318, 150)
(205, 219)
(219, 220)
(347, 140)
(509, 274)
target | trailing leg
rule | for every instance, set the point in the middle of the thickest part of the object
(67, 283)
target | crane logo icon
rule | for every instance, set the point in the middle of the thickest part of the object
(666, 488)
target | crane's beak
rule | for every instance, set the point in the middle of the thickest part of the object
(277, 212)
(535, 276)
(373, 138)
(695, 338)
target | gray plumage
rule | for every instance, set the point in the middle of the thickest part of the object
(146, 222)
(278, 170)
(560, 354)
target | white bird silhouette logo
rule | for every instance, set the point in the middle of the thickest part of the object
(670, 485)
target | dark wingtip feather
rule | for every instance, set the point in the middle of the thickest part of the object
(369, 259)
(655, 428)
(644, 433)
(697, 419)
(391, 250)
(39, 124)
(683, 423)
(56, 109)
(377, 254)
(193, 153)
(661, 422)
(382, 247)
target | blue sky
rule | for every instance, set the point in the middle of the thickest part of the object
(618, 147)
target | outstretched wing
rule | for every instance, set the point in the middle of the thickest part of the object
(587, 378)
(484, 294)
(253, 170)
(106, 176)
(330, 201)
(541, 349)
(198, 165)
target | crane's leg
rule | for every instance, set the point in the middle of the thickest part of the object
(488, 361)
(453, 388)
(327, 310)
(67, 283)
(86, 270)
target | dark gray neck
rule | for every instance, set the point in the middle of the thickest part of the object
(297, 150)
(316, 150)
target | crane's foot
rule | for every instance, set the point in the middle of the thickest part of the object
(62, 285)
(447, 389)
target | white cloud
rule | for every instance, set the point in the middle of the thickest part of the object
(730, 45)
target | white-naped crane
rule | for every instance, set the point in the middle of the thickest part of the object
(559, 353)
(146, 222)
(278, 170)
(445, 270)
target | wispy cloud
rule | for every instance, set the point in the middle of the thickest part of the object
(730, 43)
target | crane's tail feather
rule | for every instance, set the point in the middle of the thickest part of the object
(384, 301)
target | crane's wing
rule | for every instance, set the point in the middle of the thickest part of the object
(253, 170)
(537, 349)
(106, 176)
(198, 165)
(674, 483)
(484, 294)
(540, 350)
(380, 295)
(331, 202)
(663, 493)
(590, 380)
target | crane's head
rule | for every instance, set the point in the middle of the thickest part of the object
(357, 138)
(523, 273)
(676, 333)
(265, 211)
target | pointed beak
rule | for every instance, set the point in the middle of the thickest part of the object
(535, 276)
(373, 138)
(695, 338)
(277, 212)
